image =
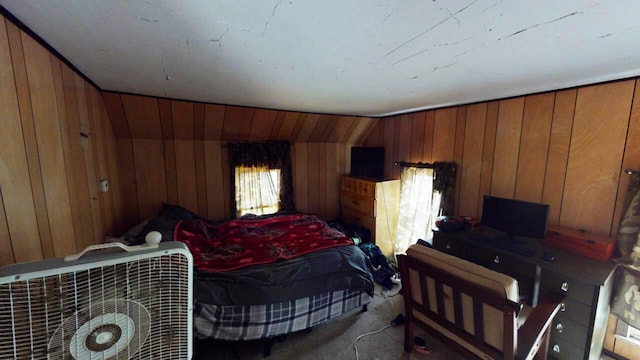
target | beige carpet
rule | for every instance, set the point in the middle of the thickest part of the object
(334, 339)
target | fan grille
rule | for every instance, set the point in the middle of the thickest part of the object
(32, 311)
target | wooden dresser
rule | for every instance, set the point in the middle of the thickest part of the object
(372, 205)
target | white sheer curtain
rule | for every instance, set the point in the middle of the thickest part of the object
(418, 207)
(257, 190)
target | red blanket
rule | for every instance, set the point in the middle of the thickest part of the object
(240, 243)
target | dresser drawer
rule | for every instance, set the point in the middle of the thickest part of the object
(350, 216)
(358, 203)
(575, 311)
(573, 289)
(569, 331)
(446, 246)
(562, 350)
(480, 256)
(358, 187)
(514, 267)
(497, 262)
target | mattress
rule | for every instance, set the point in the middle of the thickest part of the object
(232, 322)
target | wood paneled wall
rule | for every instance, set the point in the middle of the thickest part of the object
(57, 144)
(61, 136)
(175, 151)
(566, 148)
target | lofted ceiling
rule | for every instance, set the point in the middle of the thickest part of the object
(350, 57)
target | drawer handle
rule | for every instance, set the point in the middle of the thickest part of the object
(563, 307)
(448, 246)
(565, 286)
(559, 327)
(556, 348)
(496, 259)
(355, 202)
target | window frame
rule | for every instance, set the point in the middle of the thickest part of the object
(263, 208)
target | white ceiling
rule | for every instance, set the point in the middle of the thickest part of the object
(352, 57)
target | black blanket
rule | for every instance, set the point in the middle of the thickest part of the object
(338, 268)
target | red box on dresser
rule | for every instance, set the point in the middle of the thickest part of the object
(580, 242)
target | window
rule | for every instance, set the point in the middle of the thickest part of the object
(634, 334)
(257, 190)
(628, 332)
(419, 205)
(426, 192)
(623, 340)
(261, 172)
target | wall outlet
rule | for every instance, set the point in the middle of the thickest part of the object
(104, 185)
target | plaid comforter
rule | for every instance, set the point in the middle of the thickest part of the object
(263, 321)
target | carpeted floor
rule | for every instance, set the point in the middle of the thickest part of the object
(334, 339)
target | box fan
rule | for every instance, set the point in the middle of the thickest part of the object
(104, 304)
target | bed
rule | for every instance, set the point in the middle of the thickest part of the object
(262, 277)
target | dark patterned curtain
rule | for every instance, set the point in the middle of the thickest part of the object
(625, 303)
(444, 181)
(274, 155)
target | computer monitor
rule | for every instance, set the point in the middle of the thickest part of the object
(515, 217)
(367, 162)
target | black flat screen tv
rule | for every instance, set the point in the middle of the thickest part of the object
(515, 217)
(367, 161)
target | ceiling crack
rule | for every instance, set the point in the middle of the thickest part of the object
(410, 56)
(219, 39)
(468, 50)
(273, 14)
(520, 31)
(490, 7)
(430, 48)
(387, 17)
(536, 25)
(451, 15)
(148, 20)
(566, 16)
(429, 29)
(454, 43)
(443, 67)
(164, 70)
